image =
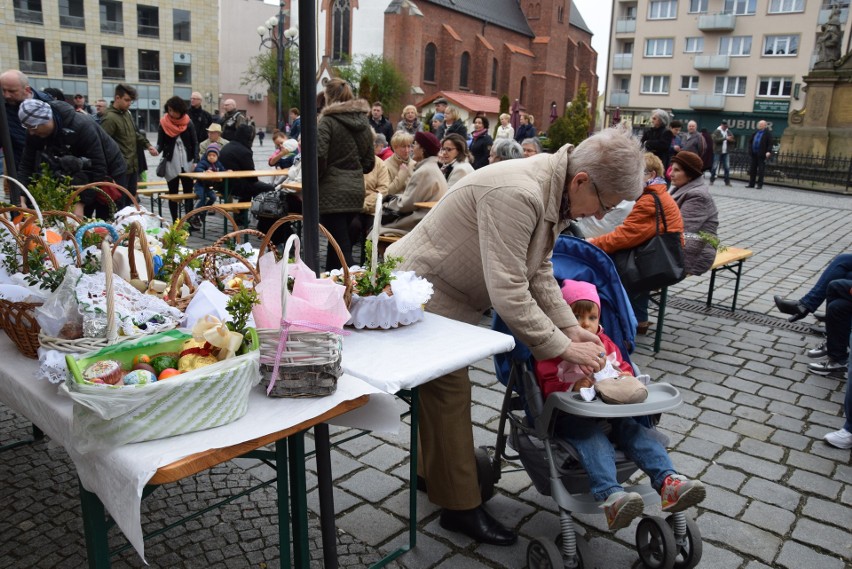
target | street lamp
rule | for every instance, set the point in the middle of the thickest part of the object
(284, 39)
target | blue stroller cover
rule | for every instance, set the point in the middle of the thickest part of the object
(581, 261)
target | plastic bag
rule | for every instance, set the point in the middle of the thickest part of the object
(59, 313)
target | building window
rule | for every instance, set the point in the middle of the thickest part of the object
(149, 21)
(74, 59)
(182, 20)
(112, 17)
(698, 6)
(112, 59)
(28, 12)
(494, 67)
(662, 10)
(183, 73)
(560, 14)
(464, 70)
(730, 86)
(775, 87)
(655, 85)
(31, 56)
(778, 46)
(694, 45)
(523, 90)
(149, 65)
(740, 7)
(627, 48)
(786, 6)
(735, 46)
(431, 55)
(659, 47)
(71, 14)
(340, 28)
(689, 82)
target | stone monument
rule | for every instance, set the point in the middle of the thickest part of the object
(823, 126)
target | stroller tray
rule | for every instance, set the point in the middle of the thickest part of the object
(662, 397)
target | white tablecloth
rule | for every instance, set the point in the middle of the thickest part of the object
(118, 476)
(409, 356)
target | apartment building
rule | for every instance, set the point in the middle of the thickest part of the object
(709, 60)
(88, 46)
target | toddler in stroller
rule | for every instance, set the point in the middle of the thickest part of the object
(562, 440)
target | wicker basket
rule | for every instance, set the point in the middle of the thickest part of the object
(309, 363)
(74, 196)
(209, 273)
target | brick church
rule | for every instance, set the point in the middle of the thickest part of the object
(536, 51)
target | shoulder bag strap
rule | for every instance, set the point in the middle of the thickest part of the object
(658, 214)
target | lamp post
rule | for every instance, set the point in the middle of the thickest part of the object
(285, 38)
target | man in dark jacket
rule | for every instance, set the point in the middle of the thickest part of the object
(231, 120)
(759, 150)
(16, 89)
(72, 144)
(200, 118)
(118, 124)
(237, 155)
(380, 122)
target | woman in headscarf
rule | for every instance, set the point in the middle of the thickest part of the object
(455, 158)
(178, 145)
(700, 216)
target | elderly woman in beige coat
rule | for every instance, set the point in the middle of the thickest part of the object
(488, 244)
(426, 184)
(400, 163)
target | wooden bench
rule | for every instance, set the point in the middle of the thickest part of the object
(153, 192)
(178, 199)
(731, 259)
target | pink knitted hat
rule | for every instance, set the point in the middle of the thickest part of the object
(572, 291)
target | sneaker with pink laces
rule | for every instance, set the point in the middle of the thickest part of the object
(620, 509)
(679, 493)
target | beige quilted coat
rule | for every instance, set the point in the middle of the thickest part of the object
(488, 243)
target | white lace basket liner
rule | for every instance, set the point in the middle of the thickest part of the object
(296, 363)
(404, 307)
(106, 416)
(87, 344)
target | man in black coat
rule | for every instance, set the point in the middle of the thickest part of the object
(71, 144)
(759, 150)
(200, 118)
(380, 122)
(16, 89)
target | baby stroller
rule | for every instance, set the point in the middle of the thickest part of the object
(551, 462)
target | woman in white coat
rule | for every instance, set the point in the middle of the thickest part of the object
(455, 159)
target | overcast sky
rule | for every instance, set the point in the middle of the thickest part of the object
(596, 14)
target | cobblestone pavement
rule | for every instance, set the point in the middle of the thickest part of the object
(750, 428)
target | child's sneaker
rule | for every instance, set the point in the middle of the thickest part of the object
(620, 509)
(839, 439)
(679, 493)
(195, 222)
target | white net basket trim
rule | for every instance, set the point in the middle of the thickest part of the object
(380, 312)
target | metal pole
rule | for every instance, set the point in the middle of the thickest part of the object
(279, 102)
(308, 90)
(9, 157)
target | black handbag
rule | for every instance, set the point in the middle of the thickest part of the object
(269, 204)
(656, 263)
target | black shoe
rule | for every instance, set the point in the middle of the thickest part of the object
(797, 310)
(749, 186)
(828, 367)
(478, 525)
(759, 186)
(819, 352)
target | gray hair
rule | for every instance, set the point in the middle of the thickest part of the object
(380, 139)
(664, 117)
(535, 142)
(613, 160)
(505, 149)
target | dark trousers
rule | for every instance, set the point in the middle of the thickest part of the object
(838, 319)
(757, 169)
(338, 225)
(175, 185)
(129, 182)
(839, 268)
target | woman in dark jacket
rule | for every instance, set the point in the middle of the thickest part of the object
(344, 155)
(526, 129)
(480, 147)
(657, 139)
(454, 123)
(700, 216)
(178, 147)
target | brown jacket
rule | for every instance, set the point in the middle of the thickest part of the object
(488, 243)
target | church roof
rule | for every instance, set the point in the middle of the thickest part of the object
(577, 20)
(504, 13)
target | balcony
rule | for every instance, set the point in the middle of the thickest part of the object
(712, 62)
(24, 16)
(73, 70)
(717, 22)
(619, 98)
(708, 101)
(148, 31)
(622, 61)
(33, 67)
(72, 22)
(113, 72)
(111, 27)
(625, 26)
(825, 13)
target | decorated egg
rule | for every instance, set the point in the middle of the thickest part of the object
(167, 373)
(139, 377)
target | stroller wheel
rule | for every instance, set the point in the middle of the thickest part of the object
(543, 554)
(485, 473)
(688, 547)
(655, 543)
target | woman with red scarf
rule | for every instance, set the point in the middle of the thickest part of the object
(178, 145)
(480, 146)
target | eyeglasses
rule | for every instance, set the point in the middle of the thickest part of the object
(448, 149)
(604, 209)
